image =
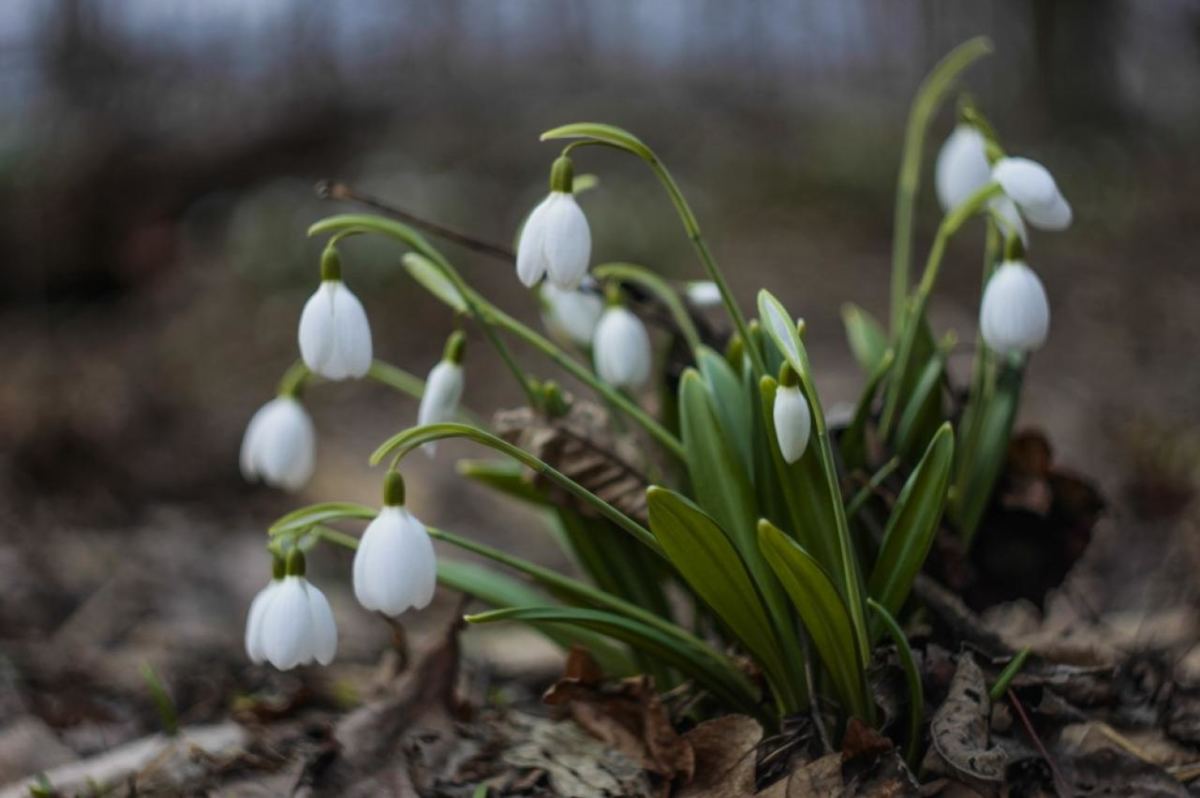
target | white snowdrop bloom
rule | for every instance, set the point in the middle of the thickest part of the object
(556, 241)
(294, 625)
(1032, 188)
(962, 166)
(1014, 316)
(793, 420)
(443, 389)
(395, 567)
(621, 349)
(279, 446)
(254, 621)
(703, 294)
(571, 314)
(335, 337)
(1008, 217)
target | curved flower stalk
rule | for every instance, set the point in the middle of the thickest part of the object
(334, 335)
(279, 446)
(290, 621)
(443, 388)
(395, 568)
(622, 349)
(556, 241)
(1014, 317)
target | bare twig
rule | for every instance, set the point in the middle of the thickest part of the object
(1060, 784)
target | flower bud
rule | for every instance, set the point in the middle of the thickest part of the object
(621, 349)
(1032, 188)
(443, 389)
(962, 166)
(571, 314)
(1014, 316)
(556, 241)
(335, 337)
(793, 420)
(279, 446)
(395, 567)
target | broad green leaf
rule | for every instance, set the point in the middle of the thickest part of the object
(500, 591)
(815, 472)
(427, 273)
(916, 692)
(657, 287)
(824, 614)
(697, 661)
(867, 338)
(605, 134)
(505, 477)
(853, 441)
(708, 562)
(731, 402)
(599, 549)
(319, 514)
(923, 411)
(976, 477)
(913, 525)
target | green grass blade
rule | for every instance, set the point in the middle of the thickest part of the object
(912, 676)
(868, 340)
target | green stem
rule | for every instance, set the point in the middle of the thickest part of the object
(950, 225)
(492, 315)
(692, 227)
(398, 378)
(401, 444)
(868, 490)
(293, 381)
(916, 692)
(1006, 676)
(929, 97)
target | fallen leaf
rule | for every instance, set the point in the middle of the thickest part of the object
(959, 730)
(726, 753)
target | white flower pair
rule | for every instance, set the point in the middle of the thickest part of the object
(290, 621)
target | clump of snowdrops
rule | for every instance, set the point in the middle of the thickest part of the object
(755, 566)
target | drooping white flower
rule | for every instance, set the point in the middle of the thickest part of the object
(556, 241)
(1014, 316)
(443, 389)
(335, 337)
(621, 349)
(571, 314)
(279, 446)
(793, 419)
(1030, 185)
(962, 166)
(703, 294)
(291, 623)
(395, 567)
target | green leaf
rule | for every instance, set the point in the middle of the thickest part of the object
(321, 513)
(694, 660)
(604, 134)
(500, 591)
(923, 411)
(656, 287)
(731, 402)
(819, 605)
(853, 441)
(868, 340)
(427, 273)
(708, 562)
(916, 692)
(913, 524)
(504, 477)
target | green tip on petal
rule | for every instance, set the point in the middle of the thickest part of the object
(393, 490)
(1014, 248)
(455, 345)
(788, 377)
(278, 567)
(562, 175)
(296, 565)
(331, 263)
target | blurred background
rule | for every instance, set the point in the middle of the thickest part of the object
(157, 164)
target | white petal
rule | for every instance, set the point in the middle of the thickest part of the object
(324, 628)
(1014, 316)
(287, 625)
(1031, 186)
(254, 619)
(568, 241)
(531, 254)
(282, 450)
(316, 328)
(962, 167)
(251, 442)
(704, 294)
(439, 402)
(1055, 216)
(571, 314)
(622, 349)
(387, 523)
(793, 422)
(352, 333)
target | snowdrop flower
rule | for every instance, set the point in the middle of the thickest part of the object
(962, 166)
(621, 349)
(290, 621)
(395, 567)
(255, 615)
(571, 314)
(1030, 185)
(335, 338)
(1014, 316)
(443, 388)
(280, 443)
(793, 420)
(556, 242)
(703, 294)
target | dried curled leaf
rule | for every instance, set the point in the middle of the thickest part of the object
(580, 445)
(959, 730)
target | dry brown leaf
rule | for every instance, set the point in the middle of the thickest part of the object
(726, 753)
(817, 779)
(959, 730)
(861, 740)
